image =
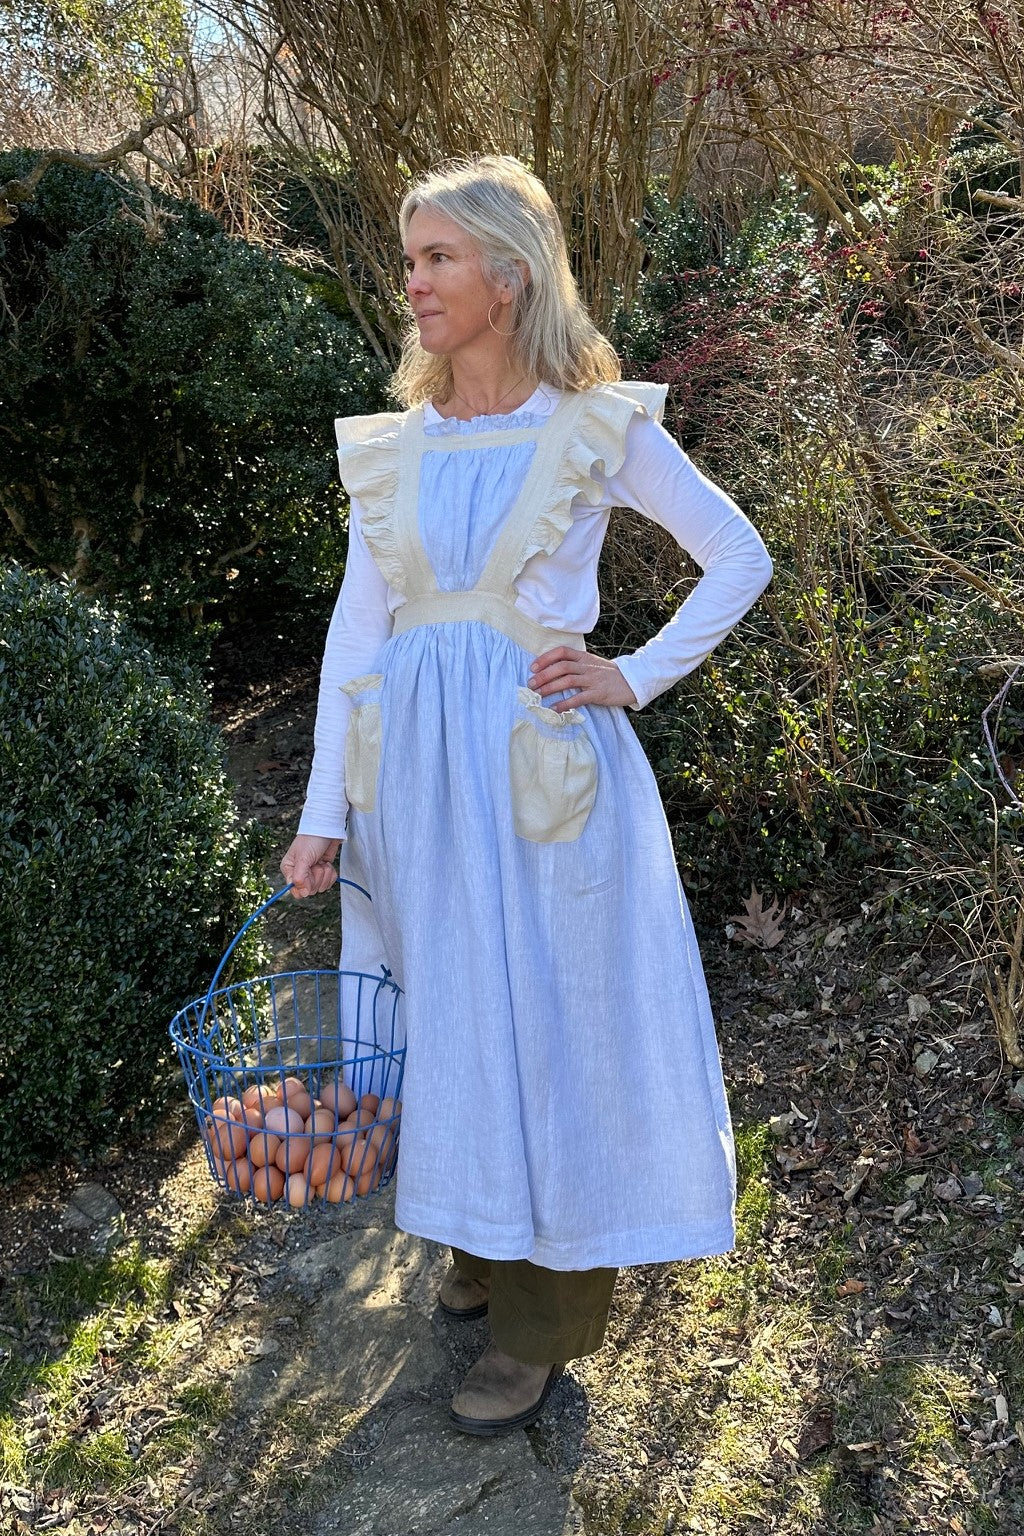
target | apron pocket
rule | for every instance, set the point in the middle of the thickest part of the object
(552, 771)
(362, 740)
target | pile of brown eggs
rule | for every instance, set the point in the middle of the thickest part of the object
(279, 1142)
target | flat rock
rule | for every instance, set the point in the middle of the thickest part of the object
(379, 1267)
(348, 1355)
(93, 1209)
(426, 1477)
(925, 1062)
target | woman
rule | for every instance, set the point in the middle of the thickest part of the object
(564, 1111)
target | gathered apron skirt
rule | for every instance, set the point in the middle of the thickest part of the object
(563, 1099)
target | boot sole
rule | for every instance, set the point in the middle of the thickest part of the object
(464, 1314)
(490, 1427)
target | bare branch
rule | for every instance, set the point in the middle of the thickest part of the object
(21, 189)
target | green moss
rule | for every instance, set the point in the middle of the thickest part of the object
(755, 1199)
(758, 1386)
(930, 1397)
(838, 1497)
(726, 1482)
(621, 1513)
(913, 1403)
(13, 1453)
(730, 1292)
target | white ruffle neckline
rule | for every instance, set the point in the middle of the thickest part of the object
(525, 415)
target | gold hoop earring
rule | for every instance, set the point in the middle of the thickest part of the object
(494, 328)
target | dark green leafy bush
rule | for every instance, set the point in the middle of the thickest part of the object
(168, 399)
(123, 869)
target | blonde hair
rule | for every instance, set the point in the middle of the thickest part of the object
(508, 214)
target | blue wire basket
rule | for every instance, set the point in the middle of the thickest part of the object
(332, 1038)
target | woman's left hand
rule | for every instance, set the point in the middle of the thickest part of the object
(599, 680)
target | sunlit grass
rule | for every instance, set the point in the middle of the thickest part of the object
(755, 1199)
(106, 1313)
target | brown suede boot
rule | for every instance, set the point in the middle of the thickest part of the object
(462, 1297)
(500, 1394)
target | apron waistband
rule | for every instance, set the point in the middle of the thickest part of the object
(488, 607)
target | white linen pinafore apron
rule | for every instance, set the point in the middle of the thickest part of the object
(563, 1099)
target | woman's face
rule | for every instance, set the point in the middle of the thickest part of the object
(446, 286)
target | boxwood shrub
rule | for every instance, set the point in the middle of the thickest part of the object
(168, 403)
(123, 869)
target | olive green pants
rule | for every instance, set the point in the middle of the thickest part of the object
(541, 1316)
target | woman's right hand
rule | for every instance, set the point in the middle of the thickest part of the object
(308, 865)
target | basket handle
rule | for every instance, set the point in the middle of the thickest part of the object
(207, 1000)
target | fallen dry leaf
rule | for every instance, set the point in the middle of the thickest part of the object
(797, 1159)
(913, 1143)
(816, 1434)
(851, 1287)
(759, 924)
(858, 1173)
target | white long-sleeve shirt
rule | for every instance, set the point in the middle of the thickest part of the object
(656, 479)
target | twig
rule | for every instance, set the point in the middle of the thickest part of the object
(22, 188)
(997, 704)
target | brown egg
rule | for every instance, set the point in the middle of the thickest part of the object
(339, 1097)
(227, 1109)
(356, 1155)
(228, 1139)
(252, 1116)
(263, 1149)
(238, 1177)
(297, 1190)
(341, 1188)
(367, 1181)
(296, 1096)
(385, 1144)
(388, 1109)
(293, 1154)
(268, 1184)
(370, 1101)
(284, 1120)
(259, 1096)
(324, 1163)
(321, 1125)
